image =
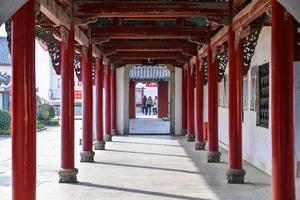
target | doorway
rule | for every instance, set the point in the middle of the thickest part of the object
(149, 101)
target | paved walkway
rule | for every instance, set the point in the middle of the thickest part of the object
(149, 126)
(134, 168)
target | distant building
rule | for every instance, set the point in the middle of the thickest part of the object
(55, 93)
(5, 74)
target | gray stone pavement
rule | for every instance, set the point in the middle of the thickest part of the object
(149, 126)
(134, 168)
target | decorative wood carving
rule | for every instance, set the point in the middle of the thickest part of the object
(297, 57)
(77, 67)
(249, 44)
(205, 66)
(222, 62)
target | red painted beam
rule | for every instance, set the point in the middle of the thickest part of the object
(150, 9)
(148, 32)
(123, 62)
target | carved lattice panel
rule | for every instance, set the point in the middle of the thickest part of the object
(249, 44)
(298, 43)
(263, 96)
(77, 67)
(222, 62)
(205, 65)
(54, 52)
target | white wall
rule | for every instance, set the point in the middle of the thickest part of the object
(297, 111)
(256, 140)
(120, 99)
(178, 101)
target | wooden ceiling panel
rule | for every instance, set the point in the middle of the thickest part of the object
(150, 9)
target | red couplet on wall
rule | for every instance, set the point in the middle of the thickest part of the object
(162, 99)
(132, 100)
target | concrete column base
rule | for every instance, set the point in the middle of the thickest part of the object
(213, 157)
(87, 156)
(99, 145)
(108, 137)
(235, 175)
(68, 175)
(200, 145)
(114, 132)
(190, 137)
(183, 132)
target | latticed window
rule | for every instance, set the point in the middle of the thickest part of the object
(263, 96)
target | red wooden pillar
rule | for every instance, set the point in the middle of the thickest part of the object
(67, 173)
(132, 105)
(235, 173)
(23, 104)
(163, 99)
(283, 150)
(213, 154)
(113, 101)
(99, 144)
(87, 153)
(190, 136)
(108, 136)
(200, 144)
(184, 104)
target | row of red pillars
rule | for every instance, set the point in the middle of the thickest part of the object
(24, 106)
(283, 164)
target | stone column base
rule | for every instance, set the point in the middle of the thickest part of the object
(190, 137)
(235, 175)
(200, 145)
(99, 145)
(114, 132)
(183, 132)
(213, 157)
(68, 175)
(87, 156)
(108, 137)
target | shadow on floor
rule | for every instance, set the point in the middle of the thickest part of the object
(148, 167)
(158, 194)
(146, 153)
(143, 143)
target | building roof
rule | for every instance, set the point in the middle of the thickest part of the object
(4, 52)
(149, 73)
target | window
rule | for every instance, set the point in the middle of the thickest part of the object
(245, 92)
(253, 89)
(223, 92)
(263, 96)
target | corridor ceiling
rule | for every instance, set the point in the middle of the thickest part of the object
(129, 32)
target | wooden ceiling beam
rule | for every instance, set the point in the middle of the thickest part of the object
(60, 18)
(148, 32)
(123, 62)
(242, 20)
(150, 9)
(145, 55)
(112, 47)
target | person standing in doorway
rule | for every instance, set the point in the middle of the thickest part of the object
(144, 105)
(155, 105)
(149, 104)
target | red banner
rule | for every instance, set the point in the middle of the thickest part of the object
(78, 94)
(151, 84)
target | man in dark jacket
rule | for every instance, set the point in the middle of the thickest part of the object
(144, 105)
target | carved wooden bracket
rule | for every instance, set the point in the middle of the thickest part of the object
(77, 66)
(205, 66)
(249, 44)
